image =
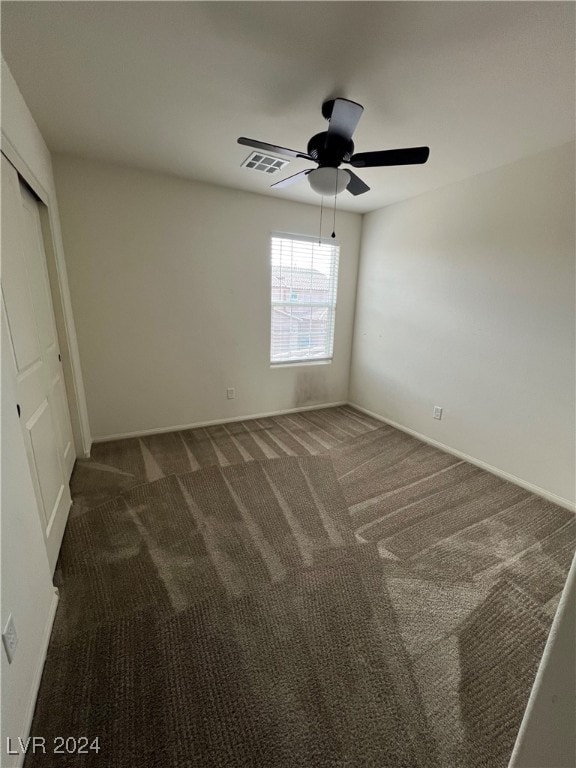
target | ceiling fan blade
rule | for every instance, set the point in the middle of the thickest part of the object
(409, 156)
(344, 118)
(356, 186)
(272, 148)
(292, 179)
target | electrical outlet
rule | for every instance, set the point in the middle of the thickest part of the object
(437, 412)
(10, 639)
(230, 393)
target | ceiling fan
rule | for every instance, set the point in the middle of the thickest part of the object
(333, 147)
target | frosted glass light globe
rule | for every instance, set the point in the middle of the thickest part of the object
(328, 181)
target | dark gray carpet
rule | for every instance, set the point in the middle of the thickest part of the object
(310, 590)
(307, 671)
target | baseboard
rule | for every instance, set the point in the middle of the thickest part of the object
(214, 422)
(560, 500)
(27, 724)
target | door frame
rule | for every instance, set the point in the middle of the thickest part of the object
(60, 292)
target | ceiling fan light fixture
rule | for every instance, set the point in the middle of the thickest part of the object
(328, 181)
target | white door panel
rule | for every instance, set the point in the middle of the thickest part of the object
(42, 299)
(31, 386)
(41, 393)
(60, 404)
(15, 286)
(38, 274)
(41, 430)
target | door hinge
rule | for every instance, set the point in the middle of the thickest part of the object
(18, 409)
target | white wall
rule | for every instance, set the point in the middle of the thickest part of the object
(170, 289)
(24, 146)
(27, 592)
(466, 300)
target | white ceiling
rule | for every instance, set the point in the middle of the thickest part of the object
(169, 86)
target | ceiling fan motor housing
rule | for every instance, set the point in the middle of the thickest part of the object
(331, 150)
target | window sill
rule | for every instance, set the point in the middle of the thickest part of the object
(297, 363)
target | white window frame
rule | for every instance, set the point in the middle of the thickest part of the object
(330, 305)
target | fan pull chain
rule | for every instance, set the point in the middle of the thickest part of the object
(335, 193)
(321, 211)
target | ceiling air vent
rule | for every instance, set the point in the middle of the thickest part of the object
(264, 163)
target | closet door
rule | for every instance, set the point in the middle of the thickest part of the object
(42, 403)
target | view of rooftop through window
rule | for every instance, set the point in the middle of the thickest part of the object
(304, 277)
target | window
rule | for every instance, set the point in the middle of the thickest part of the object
(303, 292)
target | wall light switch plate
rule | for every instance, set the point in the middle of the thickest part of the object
(437, 412)
(10, 638)
(230, 393)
